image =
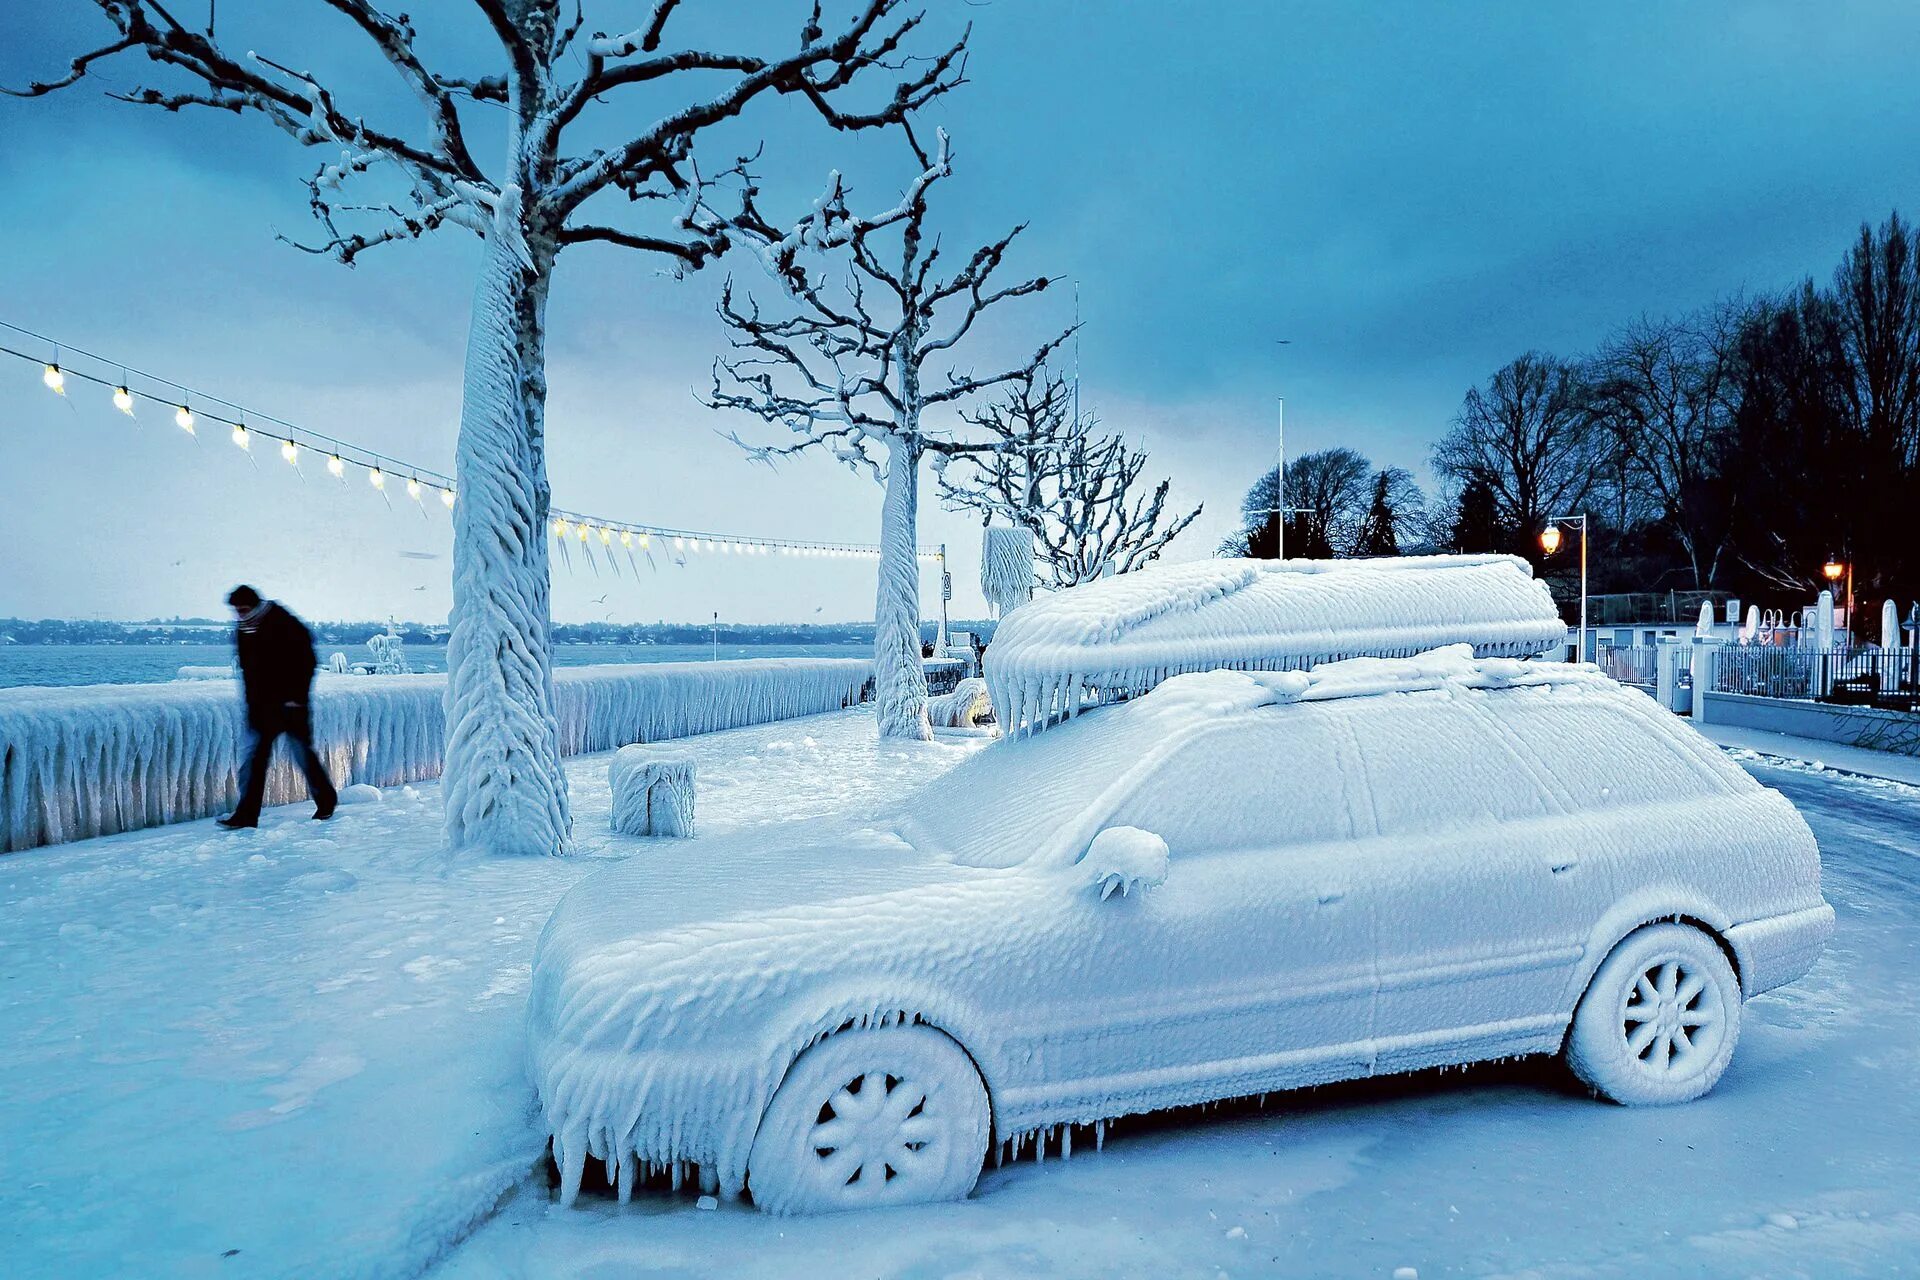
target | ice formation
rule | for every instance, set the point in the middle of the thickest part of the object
(965, 706)
(389, 654)
(653, 792)
(1006, 567)
(1373, 866)
(1123, 859)
(92, 760)
(1121, 636)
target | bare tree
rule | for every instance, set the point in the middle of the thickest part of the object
(1666, 391)
(1078, 492)
(1394, 512)
(855, 366)
(1530, 438)
(505, 788)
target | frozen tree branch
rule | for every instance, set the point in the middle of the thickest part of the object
(1077, 492)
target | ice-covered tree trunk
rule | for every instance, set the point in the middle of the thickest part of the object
(900, 681)
(505, 789)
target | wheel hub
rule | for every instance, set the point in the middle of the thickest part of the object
(873, 1130)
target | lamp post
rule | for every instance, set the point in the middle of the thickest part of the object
(1833, 570)
(1550, 539)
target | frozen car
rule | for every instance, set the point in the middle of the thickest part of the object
(1233, 884)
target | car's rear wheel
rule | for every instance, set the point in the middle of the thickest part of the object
(890, 1115)
(1659, 1021)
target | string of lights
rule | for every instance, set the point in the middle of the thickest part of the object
(192, 410)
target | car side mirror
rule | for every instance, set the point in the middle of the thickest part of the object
(1125, 860)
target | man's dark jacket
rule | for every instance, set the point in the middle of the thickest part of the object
(276, 664)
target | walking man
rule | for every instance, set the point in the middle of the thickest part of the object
(276, 668)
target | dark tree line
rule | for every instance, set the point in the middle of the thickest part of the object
(1334, 503)
(1735, 448)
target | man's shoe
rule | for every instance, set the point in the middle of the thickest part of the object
(234, 822)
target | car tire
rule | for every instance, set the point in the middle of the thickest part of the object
(1660, 1019)
(881, 1116)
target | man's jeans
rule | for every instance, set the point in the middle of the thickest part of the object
(295, 721)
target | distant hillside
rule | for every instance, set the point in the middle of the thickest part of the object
(215, 631)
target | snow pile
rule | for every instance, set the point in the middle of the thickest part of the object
(652, 792)
(206, 673)
(1121, 636)
(93, 760)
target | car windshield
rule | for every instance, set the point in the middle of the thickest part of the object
(1010, 800)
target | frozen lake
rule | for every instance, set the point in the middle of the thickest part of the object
(71, 664)
(297, 1051)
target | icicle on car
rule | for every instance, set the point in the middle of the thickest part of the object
(1476, 858)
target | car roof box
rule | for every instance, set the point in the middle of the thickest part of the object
(1120, 636)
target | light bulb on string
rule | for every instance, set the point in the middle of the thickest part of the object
(626, 537)
(561, 528)
(123, 400)
(183, 418)
(336, 467)
(376, 478)
(56, 381)
(606, 538)
(446, 498)
(643, 542)
(679, 544)
(240, 436)
(413, 488)
(584, 528)
(291, 452)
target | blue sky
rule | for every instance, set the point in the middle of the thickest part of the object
(1412, 194)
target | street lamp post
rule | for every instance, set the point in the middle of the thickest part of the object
(1550, 539)
(1833, 570)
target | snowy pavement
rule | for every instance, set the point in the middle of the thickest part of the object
(297, 1051)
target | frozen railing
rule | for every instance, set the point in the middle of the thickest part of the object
(93, 760)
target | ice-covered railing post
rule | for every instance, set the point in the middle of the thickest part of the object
(867, 350)
(535, 195)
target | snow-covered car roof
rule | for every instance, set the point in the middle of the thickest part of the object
(1043, 797)
(1121, 636)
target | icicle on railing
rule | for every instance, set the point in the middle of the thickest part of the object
(88, 761)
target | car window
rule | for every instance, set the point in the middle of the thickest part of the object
(1435, 761)
(1269, 778)
(1598, 752)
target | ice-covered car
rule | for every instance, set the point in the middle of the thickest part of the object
(1236, 883)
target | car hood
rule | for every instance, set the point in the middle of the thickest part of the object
(677, 888)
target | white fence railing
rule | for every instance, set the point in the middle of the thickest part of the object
(93, 760)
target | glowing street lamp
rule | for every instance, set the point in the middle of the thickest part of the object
(1550, 540)
(1833, 570)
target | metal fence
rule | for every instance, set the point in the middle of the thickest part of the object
(1861, 677)
(1629, 665)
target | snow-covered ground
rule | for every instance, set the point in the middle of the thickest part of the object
(303, 1044)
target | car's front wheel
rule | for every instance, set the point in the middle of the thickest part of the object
(884, 1116)
(1659, 1020)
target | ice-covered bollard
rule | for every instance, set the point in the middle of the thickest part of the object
(652, 792)
(968, 705)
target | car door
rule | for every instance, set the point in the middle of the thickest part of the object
(1250, 968)
(1477, 893)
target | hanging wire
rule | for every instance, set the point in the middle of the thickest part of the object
(190, 410)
